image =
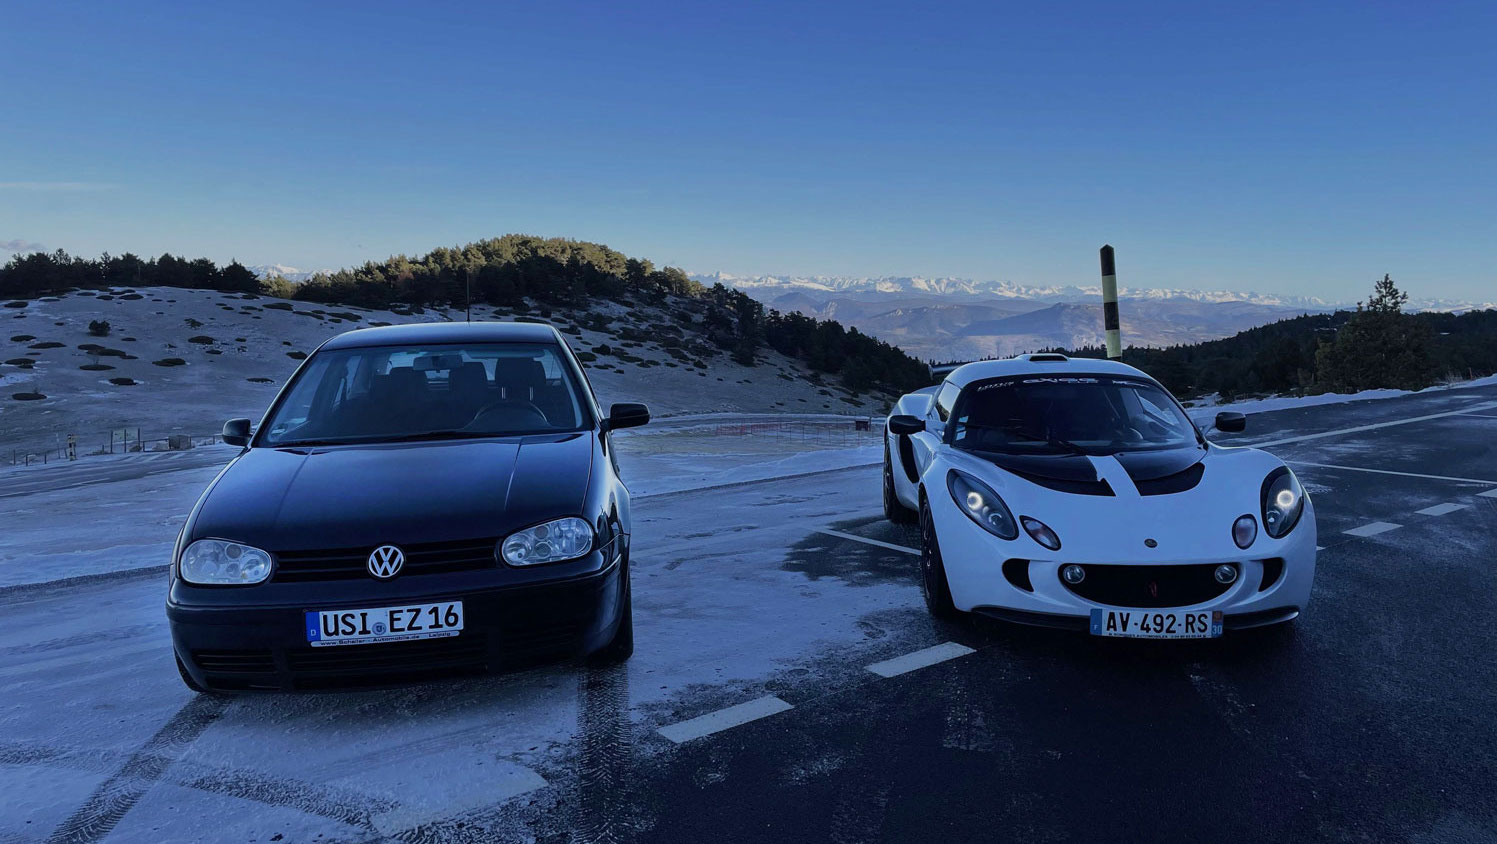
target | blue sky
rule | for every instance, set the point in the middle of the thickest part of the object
(1305, 148)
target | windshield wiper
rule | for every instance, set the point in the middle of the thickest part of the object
(309, 443)
(454, 434)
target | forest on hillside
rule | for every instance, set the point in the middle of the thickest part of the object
(1377, 345)
(518, 272)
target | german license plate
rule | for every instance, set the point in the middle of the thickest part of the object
(384, 624)
(1157, 624)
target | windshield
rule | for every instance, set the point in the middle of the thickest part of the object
(1087, 414)
(393, 393)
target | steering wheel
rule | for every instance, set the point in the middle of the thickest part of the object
(519, 407)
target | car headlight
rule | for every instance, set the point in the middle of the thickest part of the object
(982, 505)
(552, 542)
(1283, 502)
(1244, 530)
(216, 562)
(1040, 532)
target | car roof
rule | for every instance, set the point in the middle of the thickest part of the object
(1040, 364)
(414, 334)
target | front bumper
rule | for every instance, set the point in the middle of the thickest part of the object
(240, 648)
(1014, 581)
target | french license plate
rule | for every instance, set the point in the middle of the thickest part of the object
(1157, 624)
(384, 624)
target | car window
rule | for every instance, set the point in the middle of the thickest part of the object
(946, 400)
(1078, 414)
(443, 391)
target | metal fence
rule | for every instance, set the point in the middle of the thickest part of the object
(119, 441)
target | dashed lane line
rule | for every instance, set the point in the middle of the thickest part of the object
(1376, 425)
(866, 541)
(723, 719)
(919, 659)
(1391, 472)
(1441, 509)
(1372, 529)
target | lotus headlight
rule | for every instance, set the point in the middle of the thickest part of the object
(552, 542)
(1283, 502)
(982, 505)
(216, 562)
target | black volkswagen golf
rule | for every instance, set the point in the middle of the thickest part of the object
(419, 500)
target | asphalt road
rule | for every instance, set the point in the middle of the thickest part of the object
(750, 712)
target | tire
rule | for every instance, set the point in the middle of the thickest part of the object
(621, 646)
(188, 681)
(894, 511)
(933, 582)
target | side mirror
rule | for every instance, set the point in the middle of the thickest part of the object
(237, 432)
(626, 415)
(904, 424)
(1231, 422)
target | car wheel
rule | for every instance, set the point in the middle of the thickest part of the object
(932, 570)
(621, 647)
(893, 510)
(191, 683)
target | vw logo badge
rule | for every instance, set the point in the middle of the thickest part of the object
(385, 562)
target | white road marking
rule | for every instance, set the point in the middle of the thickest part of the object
(1373, 529)
(919, 659)
(1320, 548)
(1391, 472)
(1480, 415)
(866, 541)
(1491, 493)
(1441, 509)
(1375, 426)
(723, 719)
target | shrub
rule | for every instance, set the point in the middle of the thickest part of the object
(99, 328)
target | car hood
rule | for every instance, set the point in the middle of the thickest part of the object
(1079, 473)
(1192, 523)
(284, 499)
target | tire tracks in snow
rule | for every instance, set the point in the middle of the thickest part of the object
(116, 796)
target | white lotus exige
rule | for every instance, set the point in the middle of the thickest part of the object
(1077, 493)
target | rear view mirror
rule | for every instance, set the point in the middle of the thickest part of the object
(1231, 422)
(626, 415)
(237, 432)
(905, 425)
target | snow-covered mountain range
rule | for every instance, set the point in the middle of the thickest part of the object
(288, 273)
(944, 318)
(964, 287)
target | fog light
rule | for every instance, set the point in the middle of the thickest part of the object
(1072, 574)
(1226, 573)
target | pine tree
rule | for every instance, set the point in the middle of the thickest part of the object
(1380, 346)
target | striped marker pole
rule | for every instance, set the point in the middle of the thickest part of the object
(1110, 305)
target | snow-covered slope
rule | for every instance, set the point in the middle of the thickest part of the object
(183, 361)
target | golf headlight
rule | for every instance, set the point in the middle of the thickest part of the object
(552, 542)
(214, 562)
(982, 505)
(1283, 501)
